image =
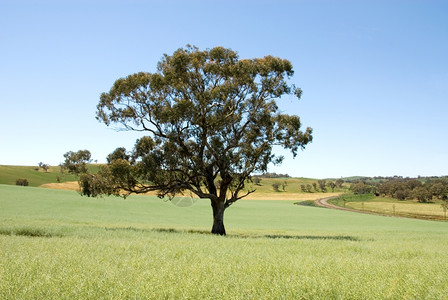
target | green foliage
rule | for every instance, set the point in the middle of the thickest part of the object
(339, 183)
(308, 188)
(119, 153)
(76, 162)
(306, 203)
(361, 188)
(284, 185)
(22, 182)
(256, 180)
(322, 185)
(422, 194)
(403, 189)
(332, 185)
(44, 167)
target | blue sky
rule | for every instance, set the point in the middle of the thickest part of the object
(374, 74)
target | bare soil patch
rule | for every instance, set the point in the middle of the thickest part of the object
(69, 185)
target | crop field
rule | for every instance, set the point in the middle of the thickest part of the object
(55, 244)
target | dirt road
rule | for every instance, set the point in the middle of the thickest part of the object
(324, 203)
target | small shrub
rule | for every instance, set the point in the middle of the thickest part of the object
(22, 182)
(276, 187)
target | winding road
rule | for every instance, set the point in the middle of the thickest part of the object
(324, 203)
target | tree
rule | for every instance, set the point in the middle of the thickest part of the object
(44, 167)
(361, 188)
(308, 188)
(438, 189)
(332, 185)
(339, 183)
(284, 185)
(422, 194)
(119, 153)
(322, 185)
(76, 162)
(276, 186)
(22, 182)
(256, 180)
(444, 206)
(402, 194)
(207, 116)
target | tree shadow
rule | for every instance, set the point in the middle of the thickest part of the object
(314, 237)
(244, 236)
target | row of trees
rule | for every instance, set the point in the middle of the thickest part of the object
(415, 189)
(405, 189)
(322, 184)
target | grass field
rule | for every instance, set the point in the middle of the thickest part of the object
(9, 175)
(56, 244)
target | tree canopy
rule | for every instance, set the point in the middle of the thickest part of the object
(210, 121)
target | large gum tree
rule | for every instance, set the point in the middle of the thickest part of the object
(210, 120)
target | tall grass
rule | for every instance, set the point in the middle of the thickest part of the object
(58, 245)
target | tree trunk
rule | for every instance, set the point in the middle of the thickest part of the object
(218, 217)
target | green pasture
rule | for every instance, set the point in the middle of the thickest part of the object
(35, 175)
(58, 245)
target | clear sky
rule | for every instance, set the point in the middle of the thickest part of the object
(374, 74)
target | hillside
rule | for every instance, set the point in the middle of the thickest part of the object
(35, 176)
(288, 188)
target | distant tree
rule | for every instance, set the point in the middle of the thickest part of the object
(361, 188)
(22, 182)
(339, 183)
(284, 185)
(438, 190)
(445, 207)
(315, 186)
(44, 167)
(276, 186)
(303, 187)
(207, 114)
(332, 185)
(422, 194)
(308, 188)
(119, 153)
(256, 180)
(275, 175)
(402, 194)
(76, 162)
(413, 183)
(322, 185)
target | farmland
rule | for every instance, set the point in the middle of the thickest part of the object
(55, 244)
(393, 207)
